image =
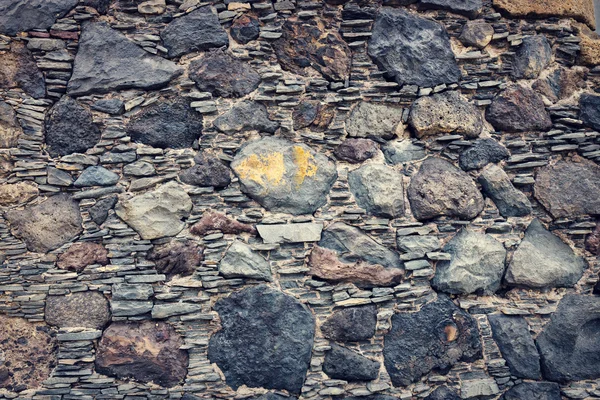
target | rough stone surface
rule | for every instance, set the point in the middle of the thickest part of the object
(283, 176)
(512, 336)
(534, 391)
(246, 116)
(19, 69)
(356, 150)
(439, 335)
(99, 211)
(375, 120)
(109, 106)
(417, 245)
(590, 46)
(241, 262)
(265, 341)
(214, 220)
(157, 213)
(439, 188)
(313, 115)
(445, 113)
(48, 225)
(483, 152)
(196, 31)
(106, 60)
(224, 75)
(208, 171)
(402, 152)
(411, 49)
(290, 233)
(569, 338)
(443, 393)
(70, 128)
(177, 258)
(518, 109)
(17, 193)
(589, 106)
(351, 324)
(96, 176)
(80, 255)
(578, 9)
(532, 57)
(24, 15)
(477, 33)
(245, 29)
(470, 8)
(81, 309)
(592, 242)
(543, 260)
(310, 43)
(10, 130)
(378, 189)
(496, 184)
(172, 124)
(343, 363)
(147, 351)
(561, 83)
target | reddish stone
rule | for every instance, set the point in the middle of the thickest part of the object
(65, 34)
(213, 220)
(356, 150)
(177, 258)
(80, 255)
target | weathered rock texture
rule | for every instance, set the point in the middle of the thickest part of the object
(23, 15)
(582, 10)
(80, 255)
(343, 363)
(351, 324)
(20, 70)
(375, 120)
(518, 109)
(378, 189)
(80, 309)
(177, 257)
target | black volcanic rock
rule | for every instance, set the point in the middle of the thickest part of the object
(443, 393)
(351, 324)
(533, 391)
(208, 171)
(24, 15)
(483, 152)
(532, 57)
(589, 106)
(518, 109)
(470, 8)
(343, 363)
(19, 69)
(244, 29)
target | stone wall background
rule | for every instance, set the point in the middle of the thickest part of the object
(87, 259)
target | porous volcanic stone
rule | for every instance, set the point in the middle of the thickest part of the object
(82, 254)
(29, 353)
(284, 176)
(177, 257)
(157, 213)
(439, 188)
(99, 211)
(543, 260)
(477, 33)
(147, 351)
(96, 176)
(198, 30)
(439, 335)
(470, 8)
(309, 43)
(533, 391)
(80, 309)
(483, 152)
(106, 60)
(19, 69)
(581, 10)
(445, 113)
(568, 340)
(512, 336)
(245, 29)
(532, 57)
(208, 171)
(24, 15)
(589, 106)
(412, 50)
(223, 75)
(518, 109)
(351, 324)
(246, 116)
(70, 128)
(378, 189)
(477, 264)
(510, 201)
(564, 196)
(356, 150)
(48, 225)
(173, 124)
(343, 363)
(240, 261)
(590, 46)
(17, 193)
(214, 220)
(10, 130)
(375, 120)
(265, 341)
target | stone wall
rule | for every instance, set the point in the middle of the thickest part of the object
(299, 199)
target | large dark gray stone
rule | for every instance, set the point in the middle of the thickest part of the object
(518, 109)
(589, 107)
(443, 393)
(436, 337)
(99, 211)
(483, 152)
(512, 336)
(378, 189)
(351, 324)
(208, 171)
(470, 8)
(246, 116)
(106, 60)
(196, 31)
(411, 49)
(569, 344)
(265, 340)
(496, 185)
(533, 391)
(24, 15)
(343, 363)
(532, 57)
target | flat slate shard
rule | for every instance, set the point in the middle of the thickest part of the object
(378, 189)
(543, 260)
(518, 109)
(532, 57)
(106, 60)
(470, 8)
(564, 196)
(24, 15)
(569, 342)
(147, 351)
(483, 152)
(477, 264)
(343, 363)
(412, 50)
(310, 43)
(48, 225)
(402, 152)
(510, 201)
(240, 261)
(265, 341)
(533, 391)
(246, 116)
(197, 31)
(438, 336)
(80, 309)
(290, 233)
(351, 324)
(589, 106)
(375, 120)
(19, 70)
(441, 189)
(284, 176)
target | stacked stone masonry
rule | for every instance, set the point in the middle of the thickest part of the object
(299, 199)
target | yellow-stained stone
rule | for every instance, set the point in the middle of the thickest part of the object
(265, 170)
(581, 10)
(305, 163)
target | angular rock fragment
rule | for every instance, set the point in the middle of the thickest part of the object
(577, 9)
(417, 245)
(534, 391)
(477, 264)
(245, 29)
(80, 309)
(310, 43)
(17, 193)
(101, 6)
(343, 363)
(445, 113)
(106, 60)
(290, 233)
(470, 8)
(265, 341)
(82, 254)
(214, 220)
(402, 152)
(99, 211)
(313, 114)
(209, 171)
(139, 168)
(375, 120)
(518, 109)
(483, 152)
(356, 150)
(172, 124)
(284, 176)
(157, 213)
(10, 130)
(510, 201)
(196, 31)
(240, 261)
(109, 106)
(24, 15)
(543, 260)
(351, 324)
(223, 75)
(96, 176)
(570, 338)
(147, 351)
(48, 225)
(477, 33)
(177, 258)
(562, 83)
(19, 69)
(441, 189)
(532, 57)
(589, 106)
(439, 335)
(443, 393)
(246, 116)
(412, 50)
(592, 242)
(378, 189)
